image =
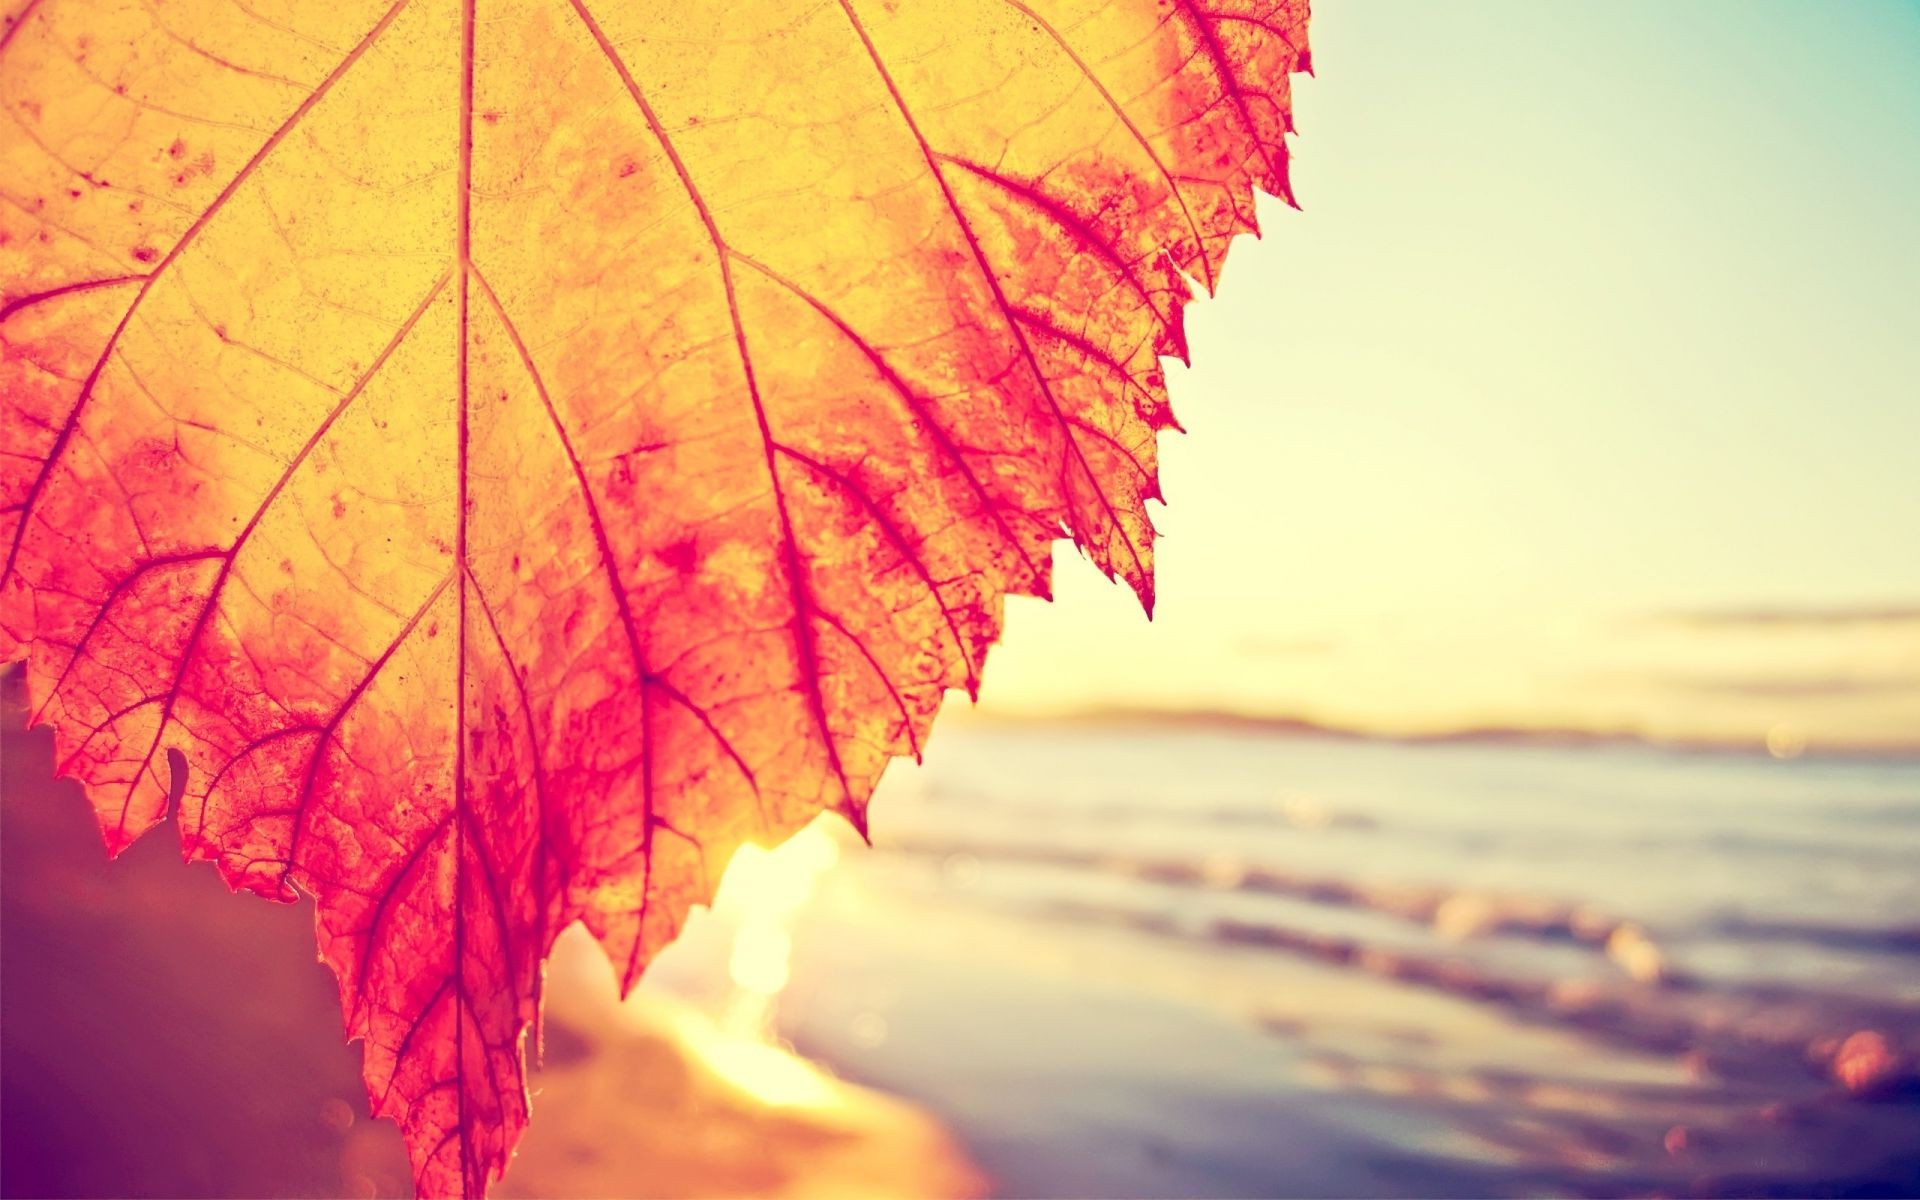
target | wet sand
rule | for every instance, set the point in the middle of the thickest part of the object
(162, 1037)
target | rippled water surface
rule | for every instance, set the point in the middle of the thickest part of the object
(1196, 963)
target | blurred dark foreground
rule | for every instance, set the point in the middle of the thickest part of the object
(160, 1036)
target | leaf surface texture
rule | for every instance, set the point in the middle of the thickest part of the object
(493, 458)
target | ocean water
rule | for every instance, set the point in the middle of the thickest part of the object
(1134, 962)
(1739, 868)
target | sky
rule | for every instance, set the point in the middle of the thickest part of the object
(1584, 392)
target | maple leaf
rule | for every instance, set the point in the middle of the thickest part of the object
(484, 461)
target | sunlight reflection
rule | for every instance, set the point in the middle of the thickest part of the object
(774, 883)
(766, 1072)
(761, 893)
(761, 955)
(760, 896)
(1786, 742)
(717, 987)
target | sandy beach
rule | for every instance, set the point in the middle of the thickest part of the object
(162, 1037)
(1064, 971)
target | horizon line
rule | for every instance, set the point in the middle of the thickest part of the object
(1790, 745)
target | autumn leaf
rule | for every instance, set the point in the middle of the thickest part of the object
(485, 463)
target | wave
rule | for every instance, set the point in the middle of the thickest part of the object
(1899, 940)
(1454, 914)
(1762, 1035)
(1758, 1031)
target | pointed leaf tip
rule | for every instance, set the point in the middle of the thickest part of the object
(479, 557)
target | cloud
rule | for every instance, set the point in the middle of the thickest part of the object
(1803, 687)
(1771, 617)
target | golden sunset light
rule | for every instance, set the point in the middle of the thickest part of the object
(959, 599)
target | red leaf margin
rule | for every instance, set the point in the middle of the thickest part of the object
(928, 424)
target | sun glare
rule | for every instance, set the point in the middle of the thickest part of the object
(770, 1074)
(759, 898)
(760, 894)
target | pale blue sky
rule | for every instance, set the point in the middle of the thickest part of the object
(1594, 311)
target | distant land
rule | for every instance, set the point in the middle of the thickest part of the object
(1287, 726)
